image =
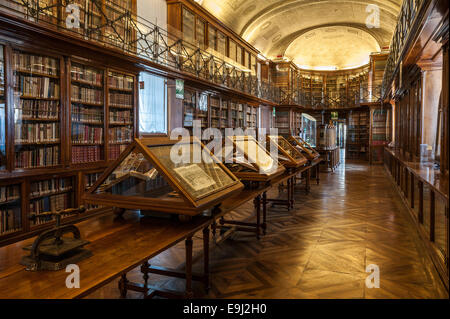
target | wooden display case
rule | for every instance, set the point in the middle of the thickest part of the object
(306, 149)
(249, 161)
(288, 155)
(147, 176)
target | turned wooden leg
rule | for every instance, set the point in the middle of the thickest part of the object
(264, 205)
(308, 179)
(206, 258)
(257, 204)
(318, 174)
(144, 270)
(189, 293)
(123, 286)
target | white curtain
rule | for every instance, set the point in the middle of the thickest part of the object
(152, 104)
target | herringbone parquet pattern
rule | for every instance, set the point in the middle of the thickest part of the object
(318, 250)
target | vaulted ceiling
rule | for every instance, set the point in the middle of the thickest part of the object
(312, 33)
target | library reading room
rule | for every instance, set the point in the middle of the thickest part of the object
(224, 149)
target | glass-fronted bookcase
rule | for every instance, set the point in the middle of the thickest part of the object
(60, 118)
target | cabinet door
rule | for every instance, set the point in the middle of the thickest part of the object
(2, 111)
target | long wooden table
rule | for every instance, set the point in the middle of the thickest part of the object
(120, 244)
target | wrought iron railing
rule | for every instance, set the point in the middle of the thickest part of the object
(112, 26)
(406, 19)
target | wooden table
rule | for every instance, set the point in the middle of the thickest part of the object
(118, 246)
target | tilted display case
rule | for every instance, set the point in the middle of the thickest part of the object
(163, 175)
(250, 161)
(304, 147)
(309, 129)
(288, 155)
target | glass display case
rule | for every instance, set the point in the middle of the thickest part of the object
(288, 155)
(250, 161)
(305, 148)
(159, 174)
(309, 129)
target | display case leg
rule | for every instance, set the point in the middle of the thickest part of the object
(264, 205)
(123, 286)
(188, 293)
(206, 258)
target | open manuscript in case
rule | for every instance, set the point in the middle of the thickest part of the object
(159, 174)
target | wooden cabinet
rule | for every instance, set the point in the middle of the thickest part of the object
(380, 133)
(147, 177)
(358, 134)
(63, 114)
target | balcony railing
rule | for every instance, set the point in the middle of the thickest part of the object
(406, 18)
(112, 26)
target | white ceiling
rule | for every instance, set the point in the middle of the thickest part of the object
(300, 29)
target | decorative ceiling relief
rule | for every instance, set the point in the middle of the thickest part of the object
(282, 27)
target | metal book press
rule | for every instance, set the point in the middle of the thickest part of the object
(52, 250)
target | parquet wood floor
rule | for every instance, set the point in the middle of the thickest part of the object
(320, 249)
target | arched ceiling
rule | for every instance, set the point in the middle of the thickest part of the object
(282, 27)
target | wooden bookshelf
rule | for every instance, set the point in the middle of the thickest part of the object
(37, 94)
(121, 112)
(60, 116)
(87, 115)
(380, 131)
(358, 134)
(10, 209)
(2, 110)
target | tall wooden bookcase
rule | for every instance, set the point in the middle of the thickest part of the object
(63, 119)
(358, 134)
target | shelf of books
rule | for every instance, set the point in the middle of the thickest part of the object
(10, 210)
(379, 134)
(219, 113)
(251, 118)
(306, 89)
(282, 122)
(189, 105)
(316, 90)
(37, 110)
(87, 116)
(53, 195)
(56, 128)
(2, 112)
(234, 110)
(121, 112)
(88, 179)
(358, 135)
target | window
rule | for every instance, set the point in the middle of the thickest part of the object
(152, 104)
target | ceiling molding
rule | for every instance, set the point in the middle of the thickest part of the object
(281, 45)
(386, 6)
